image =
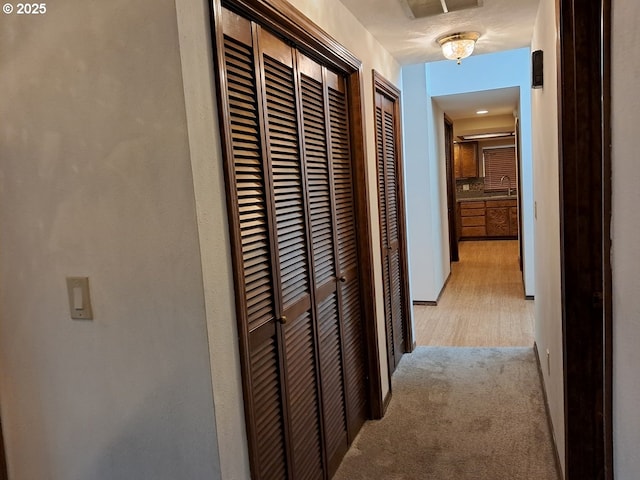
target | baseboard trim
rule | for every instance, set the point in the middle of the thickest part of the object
(431, 303)
(556, 456)
(444, 285)
(386, 402)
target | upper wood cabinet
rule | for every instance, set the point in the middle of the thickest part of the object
(465, 159)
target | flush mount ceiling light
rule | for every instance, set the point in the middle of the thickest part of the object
(457, 46)
(482, 112)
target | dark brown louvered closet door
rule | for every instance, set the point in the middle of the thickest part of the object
(347, 257)
(389, 199)
(292, 221)
(321, 207)
(300, 354)
(253, 230)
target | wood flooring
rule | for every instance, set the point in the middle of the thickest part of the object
(483, 303)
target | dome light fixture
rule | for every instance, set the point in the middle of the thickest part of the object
(457, 46)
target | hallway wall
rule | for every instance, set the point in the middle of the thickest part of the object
(95, 180)
(625, 234)
(548, 302)
(425, 196)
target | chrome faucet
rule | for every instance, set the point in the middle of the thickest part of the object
(501, 182)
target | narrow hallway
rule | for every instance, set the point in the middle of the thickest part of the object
(470, 407)
(483, 302)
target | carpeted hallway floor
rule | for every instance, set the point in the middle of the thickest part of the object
(458, 413)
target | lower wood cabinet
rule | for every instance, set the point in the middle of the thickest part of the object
(513, 221)
(497, 221)
(472, 219)
(491, 218)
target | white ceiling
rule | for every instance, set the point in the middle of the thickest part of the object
(503, 25)
(502, 101)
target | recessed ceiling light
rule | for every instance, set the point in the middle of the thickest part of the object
(482, 112)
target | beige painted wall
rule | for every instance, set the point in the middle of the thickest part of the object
(625, 234)
(95, 180)
(484, 124)
(548, 313)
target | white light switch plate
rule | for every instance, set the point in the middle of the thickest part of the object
(79, 298)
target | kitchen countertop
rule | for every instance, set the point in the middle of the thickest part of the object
(479, 196)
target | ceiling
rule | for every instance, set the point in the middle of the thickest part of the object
(502, 101)
(408, 29)
(502, 24)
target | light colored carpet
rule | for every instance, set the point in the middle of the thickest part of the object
(458, 413)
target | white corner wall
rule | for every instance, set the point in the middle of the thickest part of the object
(625, 235)
(95, 180)
(420, 186)
(548, 302)
(424, 158)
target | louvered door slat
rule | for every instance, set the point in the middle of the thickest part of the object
(388, 194)
(353, 345)
(391, 178)
(395, 286)
(267, 401)
(253, 224)
(318, 180)
(287, 180)
(354, 357)
(382, 196)
(383, 178)
(302, 371)
(322, 239)
(332, 376)
(303, 399)
(396, 301)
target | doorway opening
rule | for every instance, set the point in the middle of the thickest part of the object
(483, 302)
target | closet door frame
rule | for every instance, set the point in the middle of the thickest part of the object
(383, 86)
(286, 21)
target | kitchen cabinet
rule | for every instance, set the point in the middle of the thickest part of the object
(497, 222)
(465, 159)
(472, 219)
(490, 218)
(514, 226)
(500, 218)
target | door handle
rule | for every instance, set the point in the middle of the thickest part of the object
(283, 320)
(343, 279)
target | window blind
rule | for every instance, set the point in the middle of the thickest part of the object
(499, 162)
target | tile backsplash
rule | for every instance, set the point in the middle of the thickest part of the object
(475, 184)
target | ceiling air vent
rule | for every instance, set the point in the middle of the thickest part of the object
(429, 8)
